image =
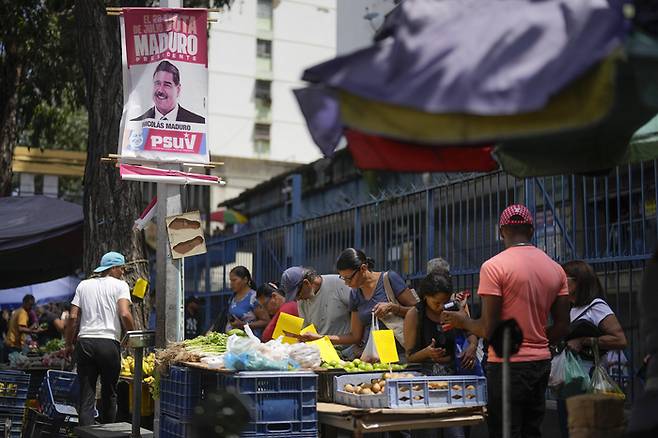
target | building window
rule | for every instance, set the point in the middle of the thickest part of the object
(261, 138)
(264, 49)
(263, 90)
(264, 9)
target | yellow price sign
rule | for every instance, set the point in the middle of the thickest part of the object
(290, 324)
(385, 344)
(327, 350)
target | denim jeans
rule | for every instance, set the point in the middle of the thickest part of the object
(98, 357)
(528, 381)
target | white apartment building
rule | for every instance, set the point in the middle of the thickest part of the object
(257, 52)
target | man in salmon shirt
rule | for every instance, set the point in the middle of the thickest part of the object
(524, 284)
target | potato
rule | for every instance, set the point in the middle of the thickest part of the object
(470, 388)
(418, 397)
(387, 376)
(470, 396)
(366, 385)
(417, 388)
(349, 388)
(366, 391)
(456, 387)
(358, 390)
(404, 389)
(376, 388)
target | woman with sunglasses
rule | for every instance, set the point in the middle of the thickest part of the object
(369, 296)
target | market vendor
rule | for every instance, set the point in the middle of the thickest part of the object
(243, 307)
(19, 326)
(369, 295)
(273, 300)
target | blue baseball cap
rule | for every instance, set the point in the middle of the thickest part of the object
(291, 281)
(110, 260)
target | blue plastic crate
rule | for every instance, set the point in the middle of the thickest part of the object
(59, 394)
(172, 427)
(415, 392)
(14, 387)
(180, 392)
(12, 418)
(279, 402)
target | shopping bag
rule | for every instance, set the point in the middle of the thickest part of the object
(576, 380)
(601, 382)
(370, 351)
(558, 367)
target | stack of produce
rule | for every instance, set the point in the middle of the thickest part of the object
(375, 386)
(150, 377)
(193, 350)
(357, 366)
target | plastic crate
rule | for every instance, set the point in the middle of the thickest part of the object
(14, 387)
(180, 392)
(12, 419)
(38, 425)
(416, 392)
(280, 403)
(59, 394)
(172, 427)
(327, 381)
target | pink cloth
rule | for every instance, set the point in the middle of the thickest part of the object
(529, 282)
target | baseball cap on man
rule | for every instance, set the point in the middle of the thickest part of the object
(110, 260)
(291, 281)
(516, 214)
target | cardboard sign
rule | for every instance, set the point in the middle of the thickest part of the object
(327, 350)
(288, 323)
(385, 344)
(186, 235)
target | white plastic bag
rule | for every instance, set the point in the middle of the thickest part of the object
(370, 351)
(556, 378)
(307, 356)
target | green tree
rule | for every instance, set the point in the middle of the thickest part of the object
(40, 81)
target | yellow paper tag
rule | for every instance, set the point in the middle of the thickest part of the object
(139, 290)
(288, 323)
(327, 350)
(385, 344)
(309, 329)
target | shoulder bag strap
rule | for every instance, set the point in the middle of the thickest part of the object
(389, 289)
(592, 304)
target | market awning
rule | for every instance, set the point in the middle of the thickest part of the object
(55, 291)
(40, 239)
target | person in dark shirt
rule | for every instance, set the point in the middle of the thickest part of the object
(192, 320)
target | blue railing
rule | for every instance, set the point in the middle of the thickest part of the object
(610, 221)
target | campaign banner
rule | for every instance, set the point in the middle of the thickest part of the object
(165, 85)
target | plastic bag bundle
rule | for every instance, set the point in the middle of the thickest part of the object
(601, 382)
(558, 366)
(307, 356)
(249, 354)
(370, 351)
(576, 380)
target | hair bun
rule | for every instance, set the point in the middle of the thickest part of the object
(370, 262)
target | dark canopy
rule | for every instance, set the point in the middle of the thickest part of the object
(40, 239)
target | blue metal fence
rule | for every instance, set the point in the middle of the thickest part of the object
(609, 221)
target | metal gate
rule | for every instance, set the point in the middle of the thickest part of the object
(608, 221)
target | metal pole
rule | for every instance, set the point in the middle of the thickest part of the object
(169, 292)
(137, 393)
(507, 407)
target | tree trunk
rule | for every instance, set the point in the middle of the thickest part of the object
(110, 205)
(8, 125)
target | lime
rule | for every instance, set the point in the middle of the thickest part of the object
(368, 367)
(357, 362)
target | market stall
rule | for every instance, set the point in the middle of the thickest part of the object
(287, 388)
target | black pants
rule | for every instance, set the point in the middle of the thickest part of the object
(529, 381)
(98, 357)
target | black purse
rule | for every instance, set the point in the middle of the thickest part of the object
(581, 328)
